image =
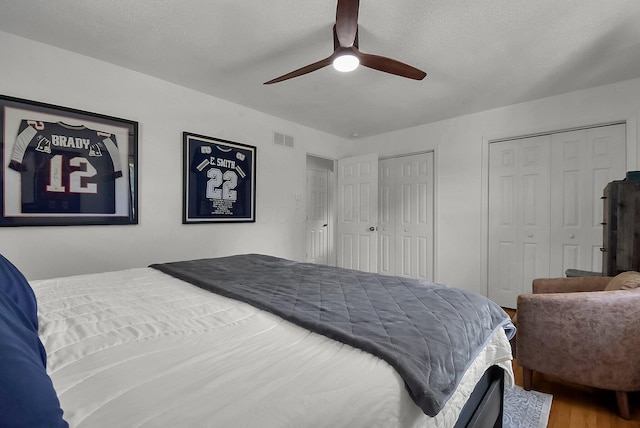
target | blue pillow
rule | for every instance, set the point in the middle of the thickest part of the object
(15, 285)
(27, 396)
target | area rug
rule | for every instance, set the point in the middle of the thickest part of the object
(525, 409)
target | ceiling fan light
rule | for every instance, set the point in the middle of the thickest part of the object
(345, 63)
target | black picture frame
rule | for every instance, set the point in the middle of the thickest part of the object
(219, 178)
(65, 167)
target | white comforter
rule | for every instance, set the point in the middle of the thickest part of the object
(139, 348)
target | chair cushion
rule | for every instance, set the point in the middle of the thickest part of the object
(624, 281)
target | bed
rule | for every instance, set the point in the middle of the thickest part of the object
(176, 345)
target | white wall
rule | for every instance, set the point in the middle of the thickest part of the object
(42, 73)
(461, 147)
(39, 72)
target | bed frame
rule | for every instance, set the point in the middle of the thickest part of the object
(485, 406)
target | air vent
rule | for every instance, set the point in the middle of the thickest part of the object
(283, 140)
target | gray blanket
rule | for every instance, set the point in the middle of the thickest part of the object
(429, 333)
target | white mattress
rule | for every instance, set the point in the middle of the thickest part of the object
(139, 348)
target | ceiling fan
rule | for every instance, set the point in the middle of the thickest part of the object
(346, 56)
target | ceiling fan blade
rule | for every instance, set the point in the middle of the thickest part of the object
(303, 70)
(391, 66)
(347, 22)
(345, 38)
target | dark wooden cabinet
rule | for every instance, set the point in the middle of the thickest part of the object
(621, 227)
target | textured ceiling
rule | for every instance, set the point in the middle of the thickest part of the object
(478, 54)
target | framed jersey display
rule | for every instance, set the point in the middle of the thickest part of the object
(219, 180)
(62, 166)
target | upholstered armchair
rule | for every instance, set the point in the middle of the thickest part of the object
(573, 329)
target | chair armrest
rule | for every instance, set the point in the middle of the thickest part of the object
(587, 338)
(570, 285)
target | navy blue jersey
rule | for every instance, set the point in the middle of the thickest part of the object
(220, 181)
(66, 169)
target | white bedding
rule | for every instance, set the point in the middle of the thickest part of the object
(139, 348)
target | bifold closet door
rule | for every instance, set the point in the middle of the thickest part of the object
(519, 217)
(545, 210)
(582, 163)
(357, 242)
(406, 216)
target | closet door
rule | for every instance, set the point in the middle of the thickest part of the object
(544, 205)
(582, 163)
(519, 223)
(387, 217)
(357, 244)
(406, 216)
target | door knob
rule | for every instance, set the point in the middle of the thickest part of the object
(373, 229)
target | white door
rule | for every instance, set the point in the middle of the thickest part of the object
(545, 208)
(406, 216)
(357, 244)
(317, 216)
(582, 163)
(518, 217)
(387, 217)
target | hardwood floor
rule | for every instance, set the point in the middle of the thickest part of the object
(577, 406)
